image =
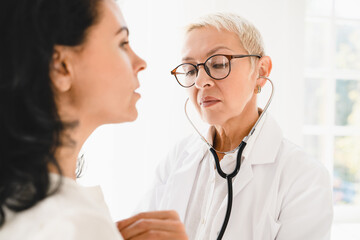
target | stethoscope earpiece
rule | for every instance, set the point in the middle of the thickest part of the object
(264, 77)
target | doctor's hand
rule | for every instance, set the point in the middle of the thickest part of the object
(159, 225)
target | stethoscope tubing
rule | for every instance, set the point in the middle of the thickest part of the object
(229, 178)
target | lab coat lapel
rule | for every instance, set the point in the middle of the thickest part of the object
(241, 180)
(267, 143)
(264, 151)
(182, 181)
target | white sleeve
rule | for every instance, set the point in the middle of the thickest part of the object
(307, 209)
(164, 170)
(79, 226)
(151, 200)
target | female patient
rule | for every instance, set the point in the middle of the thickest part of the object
(279, 193)
(66, 68)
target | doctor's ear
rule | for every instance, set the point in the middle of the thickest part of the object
(263, 69)
(59, 72)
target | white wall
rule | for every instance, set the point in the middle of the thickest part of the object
(122, 158)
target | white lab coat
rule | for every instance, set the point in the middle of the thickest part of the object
(280, 192)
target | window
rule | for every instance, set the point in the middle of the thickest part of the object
(332, 100)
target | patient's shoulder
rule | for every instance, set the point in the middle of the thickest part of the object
(71, 213)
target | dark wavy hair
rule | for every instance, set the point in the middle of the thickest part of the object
(30, 126)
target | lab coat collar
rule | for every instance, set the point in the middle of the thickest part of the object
(261, 148)
(266, 144)
(197, 145)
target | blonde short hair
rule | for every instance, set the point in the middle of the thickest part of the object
(249, 37)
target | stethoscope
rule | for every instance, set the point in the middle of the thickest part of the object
(241, 148)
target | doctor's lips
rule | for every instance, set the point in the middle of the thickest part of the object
(208, 101)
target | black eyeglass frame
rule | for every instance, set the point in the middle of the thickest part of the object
(196, 66)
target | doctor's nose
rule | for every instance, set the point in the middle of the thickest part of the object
(203, 79)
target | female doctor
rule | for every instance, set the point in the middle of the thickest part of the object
(280, 192)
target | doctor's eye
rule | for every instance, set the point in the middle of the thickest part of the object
(219, 65)
(190, 73)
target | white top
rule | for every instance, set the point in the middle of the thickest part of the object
(74, 212)
(279, 193)
(210, 189)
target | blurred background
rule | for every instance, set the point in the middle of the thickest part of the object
(315, 48)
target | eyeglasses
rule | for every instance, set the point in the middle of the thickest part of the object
(217, 67)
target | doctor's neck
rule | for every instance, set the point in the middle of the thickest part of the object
(230, 134)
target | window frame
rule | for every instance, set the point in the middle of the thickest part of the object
(328, 130)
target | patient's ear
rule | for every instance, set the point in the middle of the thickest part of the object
(60, 69)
